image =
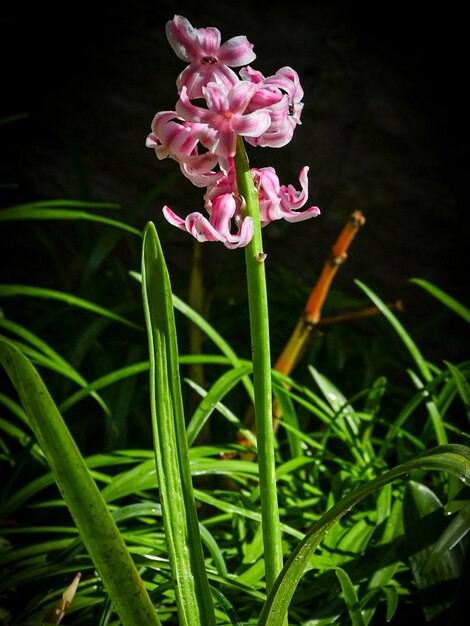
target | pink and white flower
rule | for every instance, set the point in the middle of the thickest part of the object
(278, 201)
(285, 91)
(209, 61)
(225, 116)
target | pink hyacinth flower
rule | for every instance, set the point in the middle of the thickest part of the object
(209, 61)
(225, 116)
(278, 201)
(285, 109)
(172, 137)
(223, 209)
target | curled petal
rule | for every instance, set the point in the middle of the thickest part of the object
(243, 236)
(189, 111)
(199, 227)
(200, 170)
(280, 201)
(172, 137)
(196, 76)
(195, 224)
(281, 96)
(292, 200)
(288, 80)
(268, 186)
(217, 228)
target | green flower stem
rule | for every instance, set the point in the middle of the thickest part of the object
(261, 355)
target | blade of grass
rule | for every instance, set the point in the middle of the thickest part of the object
(52, 294)
(104, 381)
(443, 297)
(84, 501)
(215, 394)
(63, 210)
(415, 353)
(462, 384)
(54, 361)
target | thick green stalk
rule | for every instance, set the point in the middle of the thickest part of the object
(185, 553)
(261, 355)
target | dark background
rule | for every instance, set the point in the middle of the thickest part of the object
(384, 129)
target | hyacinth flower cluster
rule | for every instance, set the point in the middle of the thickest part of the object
(216, 106)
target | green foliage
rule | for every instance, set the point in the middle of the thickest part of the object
(374, 510)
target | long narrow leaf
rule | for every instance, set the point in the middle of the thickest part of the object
(195, 606)
(215, 394)
(87, 507)
(400, 330)
(62, 210)
(52, 294)
(463, 385)
(444, 297)
(414, 351)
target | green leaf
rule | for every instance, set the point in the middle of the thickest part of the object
(400, 330)
(462, 384)
(452, 535)
(104, 381)
(52, 294)
(345, 418)
(185, 552)
(84, 501)
(454, 459)
(51, 359)
(444, 297)
(350, 596)
(424, 522)
(63, 210)
(212, 398)
(415, 354)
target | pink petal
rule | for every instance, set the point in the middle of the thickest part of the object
(209, 41)
(292, 217)
(173, 219)
(292, 199)
(191, 43)
(188, 111)
(237, 51)
(240, 95)
(222, 210)
(183, 38)
(252, 124)
(243, 236)
(151, 141)
(199, 172)
(200, 228)
(216, 97)
(225, 143)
